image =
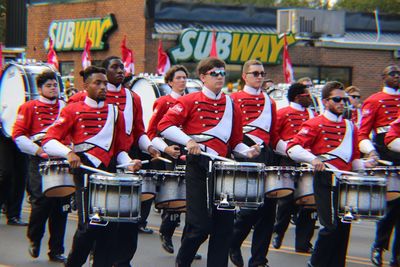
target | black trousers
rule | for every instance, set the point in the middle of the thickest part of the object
(102, 240)
(304, 220)
(331, 246)
(170, 220)
(200, 222)
(55, 210)
(384, 227)
(13, 173)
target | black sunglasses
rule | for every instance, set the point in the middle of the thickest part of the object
(356, 96)
(338, 99)
(394, 73)
(216, 73)
(257, 73)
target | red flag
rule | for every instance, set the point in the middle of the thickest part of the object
(51, 55)
(213, 52)
(287, 64)
(127, 58)
(1, 59)
(163, 64)
(86, 59)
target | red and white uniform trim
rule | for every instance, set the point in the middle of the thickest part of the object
(392, 138)
(329, 137)
(33, 120)
(378, 111)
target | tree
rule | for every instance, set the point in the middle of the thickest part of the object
(384, 6)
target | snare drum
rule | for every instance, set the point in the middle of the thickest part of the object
(238, 184)
(114, 198)
(57, 180)
(279, 181)
(149, 184)
(304, 192)
(172, 190)
(392, 174)
(361, 197)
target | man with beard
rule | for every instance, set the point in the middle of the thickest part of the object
(34, 118)
(378, 111)
(328, 140)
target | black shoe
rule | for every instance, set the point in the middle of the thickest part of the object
(197, 256)
(166, 243)
(57, 258)
(236, 257)
(277, 241)
(34, 249)
(145, 230)
(306, 250)
(376, 256)
(16, 222)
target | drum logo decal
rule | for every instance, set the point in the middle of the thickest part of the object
(177, 108)
(304, 131)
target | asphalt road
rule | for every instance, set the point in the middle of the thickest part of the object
(14, 244)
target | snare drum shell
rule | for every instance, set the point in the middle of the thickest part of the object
(115, 198)
(304, 192)
(279, 181)
(392, 173)
(57, 181)
(172, 191)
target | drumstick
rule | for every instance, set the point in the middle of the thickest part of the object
(162, 159)
(96, 170)
(385, 162)
(131, 163)
(251, 149)
(332, 170)
(214, 156)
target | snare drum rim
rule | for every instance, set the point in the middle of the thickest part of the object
(280, 168)
(361, 180)
(120, 179)
(48, 163)
(223, 165)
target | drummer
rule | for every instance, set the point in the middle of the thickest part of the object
(328, 140)
(97, 137)
(378, 111)
(33, 120)
(176, 78)
(210, 122)
(258, 112)
(289, 122)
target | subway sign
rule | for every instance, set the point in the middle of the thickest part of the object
(70, 35)
(232, 47)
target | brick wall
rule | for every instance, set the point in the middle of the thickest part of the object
(129, 15)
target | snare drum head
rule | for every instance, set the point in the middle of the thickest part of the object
(361, 180)
(239, 166)
(118, 179)
(54, 163)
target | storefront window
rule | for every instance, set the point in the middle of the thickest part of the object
(67, 73)
(321, 75)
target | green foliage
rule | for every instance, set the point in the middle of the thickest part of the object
(384, 6)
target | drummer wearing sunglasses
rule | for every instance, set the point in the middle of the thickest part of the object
(210, 123)
(329, 140)
(354, 94)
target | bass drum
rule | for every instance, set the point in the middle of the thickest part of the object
(152, 87)
(17, 85)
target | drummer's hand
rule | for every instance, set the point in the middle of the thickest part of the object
(373, 155)
(254, 151)
(173, 151)
(370, 163)
(154, 153)
(318, 165)
(136, 166)
(40, 152)
(193, 147)
(74, 160)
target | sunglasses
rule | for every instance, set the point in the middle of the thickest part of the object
(338, 99)
(394, 73)
(216, 73)
(356, 96)
(257, 73)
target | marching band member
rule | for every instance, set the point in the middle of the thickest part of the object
(289, 122)
(378, 111)
(259, 124)
(332, 142)
(98, 133)
(392, 138)
(354, 94)
(33, 120)
(212, 123)
(176, 78)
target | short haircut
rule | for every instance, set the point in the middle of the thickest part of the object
(249, 63)
(89, 71)
(351, 89)
(329, 87)
(294, 90)
(304, 79)
(43, 77)
(209, 63)
(106, 62)
(169, 76)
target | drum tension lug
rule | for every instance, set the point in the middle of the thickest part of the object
(347, 217)
(97, 220)
(224, 203)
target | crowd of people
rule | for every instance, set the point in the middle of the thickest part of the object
(102, 126)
